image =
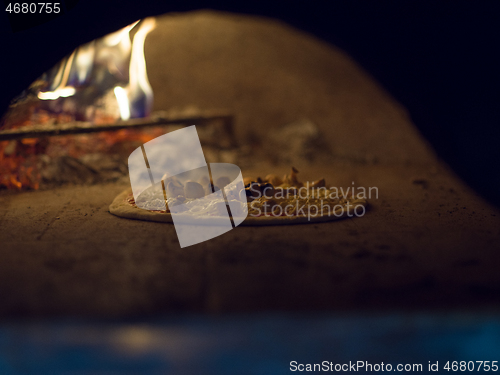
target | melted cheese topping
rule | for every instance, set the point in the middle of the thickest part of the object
(322, 200)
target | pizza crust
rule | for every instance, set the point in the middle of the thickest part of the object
(122, 208)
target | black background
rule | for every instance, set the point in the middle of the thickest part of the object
(439, 59)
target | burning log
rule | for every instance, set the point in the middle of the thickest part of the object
(163, 118)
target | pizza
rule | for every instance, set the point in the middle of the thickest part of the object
(260, 201)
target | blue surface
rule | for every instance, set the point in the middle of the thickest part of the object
(245, 344)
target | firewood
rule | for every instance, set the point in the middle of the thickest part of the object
(80, 127)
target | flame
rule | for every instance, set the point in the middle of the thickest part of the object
(138, 74)
(114, 52)
(138, 91)
(84, 61)
(62, 90)
(120, 37)
(123, 105)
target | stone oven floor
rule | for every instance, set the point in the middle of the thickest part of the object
(426, 242)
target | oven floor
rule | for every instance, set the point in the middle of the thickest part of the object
(427, 241)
